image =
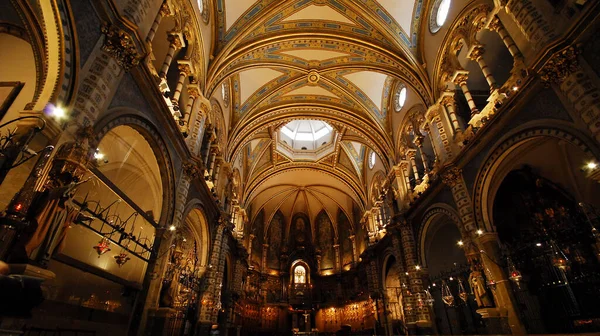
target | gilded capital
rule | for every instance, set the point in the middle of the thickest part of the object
(461, 79)
(495, 24)
(476, 53)
(452, 176)
(175, 39)
(560, 66)
(191, 170)
(119, 45)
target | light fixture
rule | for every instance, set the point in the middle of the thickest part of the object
(98, 155)
(538, 244)
(58, 112)
(591, 165)
(172, 228)
(480, 232)
(417, 267)
(515, 88)
(460, 243)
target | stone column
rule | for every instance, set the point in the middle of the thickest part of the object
(208, 139)
(215, 174)
(503, 297)
(564, 70)
(418, 140)
(163, 11)
(250, 239)
(193, 93)
(404, 165)
(185, 68)
(449, 104)
(338, 259)
(190, 172)
(497, 26)
(196, 121)
(265, 252)
(420, 312)
(176, 42)
(476, 54)
(460, 79)
(211, 162)
(411, 154)
(427, 129)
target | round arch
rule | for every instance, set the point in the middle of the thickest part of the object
(487, 177)
(115, 118)
(431, 222)
(374, 138)
(195, 219)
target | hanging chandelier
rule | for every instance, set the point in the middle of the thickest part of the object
(102, 247)
(121, 259)
(462, 293)
(446, 294)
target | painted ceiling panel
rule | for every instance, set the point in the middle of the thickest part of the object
(314, 54)
(369, 82)
(253, 79)
(401, 11)
(234, 9)
(311, 90)
(314, 12)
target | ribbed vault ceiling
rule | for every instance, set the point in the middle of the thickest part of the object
(333, 61)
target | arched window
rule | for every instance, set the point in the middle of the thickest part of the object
(299, 275)
(439, 14)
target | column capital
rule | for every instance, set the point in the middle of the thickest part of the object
(460, 77)
(176, 39)
(451, 176)
(120, 46)
(191, 170)
(476, 52)
(560, 66)
(193, 90)
(165, 10)
(495, 24)
(184, 67)
(447, 98)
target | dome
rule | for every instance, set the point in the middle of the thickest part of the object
(306, 134)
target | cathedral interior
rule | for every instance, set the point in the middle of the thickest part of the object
(313, 167)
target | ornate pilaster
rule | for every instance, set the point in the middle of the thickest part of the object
(564, 70)
(211, 297)
(532, 21)
(453, 178)
(418, 311)
(112, 56)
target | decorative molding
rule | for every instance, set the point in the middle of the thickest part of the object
(120, 46)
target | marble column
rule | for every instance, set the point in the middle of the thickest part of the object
(185, 69)
(411, 154)
(497, 26)
(460, 79)
(162, 12)
(449, 104)
(176, 42)
(476, 54)
(418, 141)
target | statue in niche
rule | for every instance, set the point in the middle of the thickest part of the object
(300, 226)
(477, 283)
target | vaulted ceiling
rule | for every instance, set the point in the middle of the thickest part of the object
(337, 61)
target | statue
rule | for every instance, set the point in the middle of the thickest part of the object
(479, 290)
(300, 230)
